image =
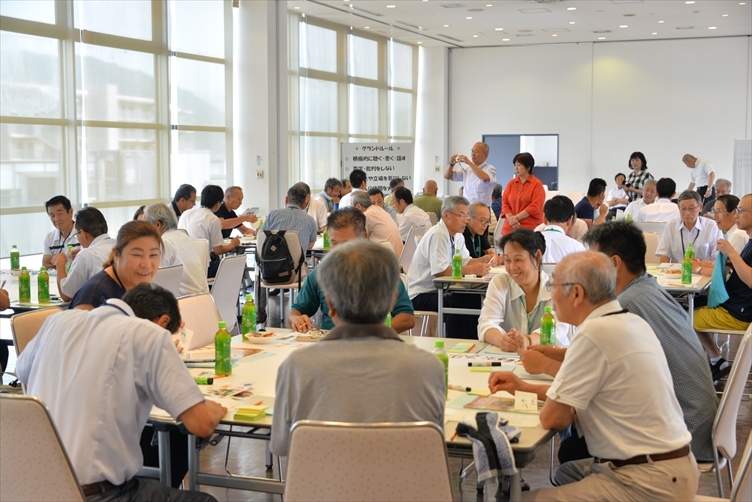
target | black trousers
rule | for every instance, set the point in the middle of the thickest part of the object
(178, 453)
(457, 326)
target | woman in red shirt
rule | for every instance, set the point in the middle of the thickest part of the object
(524, 196)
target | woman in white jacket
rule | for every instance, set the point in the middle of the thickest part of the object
(516, 298)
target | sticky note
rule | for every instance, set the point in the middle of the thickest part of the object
(527, 401)
(480, 392)
(461, 348)
(480, 369)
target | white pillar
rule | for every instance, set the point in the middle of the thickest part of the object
(432, 122)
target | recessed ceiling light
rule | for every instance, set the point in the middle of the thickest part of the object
(469, 17)
(422, 42)
(689, 2)
(742, 3)
(661, 22)
(712, 28)
(366, 27)
(655, 33)
(571, 22)
(446, 26)
(623, 26)
(475, 36)
(724, 15)
(391, 6)
(554, 35)
(505, 40)
(296, 8)
(571, 8)
(499, 29)
(601, 38)
(489, 5)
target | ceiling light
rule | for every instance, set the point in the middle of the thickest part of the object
(689, 2)
(296, 8)
(712, 28)
(742, 3)
(661, 22)
(554, 35)
(655, 33)
(571, 8)
(469, 17)
(601, 38)
(623, 26)
(366, 27)
(571, 22)
(724, 15)
(422, 42)
(391, 6)
(489, 5)
(499, 29)
(505, 40)
(446, 26)
(475, 36)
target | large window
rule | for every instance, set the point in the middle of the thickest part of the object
(345, 85)
(112, 103)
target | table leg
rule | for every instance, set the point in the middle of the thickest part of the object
(515, 487)
(440, 320)
(165, 462)
(193, 463)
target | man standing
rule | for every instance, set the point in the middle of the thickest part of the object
(130, 365)
(331, 194)
(559, 215)
(689, 229)
(379, 225)
(325, 381)
(592, 201)
(640, 294)
(616, 383)
(649, 194)
(227, 216)
(185, 199)
(433, 258)
(358, 183)
(428, 201)
(91, 228)
(412, 215)
(61, 214)
(344, 225)
(178, 250)
(476, 239)
(478, 177)
(662, 210)
(701, 175)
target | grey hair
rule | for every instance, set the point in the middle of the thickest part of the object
(477, 206)
(360, 279)
(689, 195)
(296, 195)
(723, 182)
(650, 181)
(229, 190)
(453, 201)
(593, 271)
(159, 212)
(360, 197)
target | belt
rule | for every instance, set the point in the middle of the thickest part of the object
(97, 488)
(644, 459)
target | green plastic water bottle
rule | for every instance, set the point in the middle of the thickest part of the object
(687, 266)
(388, 320)
(24, 286)
(690, 250)
(248, 320)
(327, 243)
(260, 223)
(629, 218)
(43, 286)
(69, 254)
(548, 327)
(222, 351)
(444, 358)
(15, 258)
(457, 265)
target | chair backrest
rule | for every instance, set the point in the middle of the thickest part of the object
(550, 194)
(30, 447)
(575, 196)
(202, 246)
(651, 226)
(742, 489)
(411, 244)
(296, 251)
(200, 314)
(434, 218)
(651, 241)
(332, 461)
(226, 288)
(724, 426)
(548, 268)
(169, 278)
(497, 232)
(26, 326)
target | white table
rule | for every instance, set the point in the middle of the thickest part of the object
(672, 284)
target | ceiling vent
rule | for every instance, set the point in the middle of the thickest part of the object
(452, 5)
(600, 32)
(450, 38)
(366, 11)
(685, 27)
(416, 27)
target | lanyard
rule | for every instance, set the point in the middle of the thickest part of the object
(64, 239)
(479, 249)
(681, 234)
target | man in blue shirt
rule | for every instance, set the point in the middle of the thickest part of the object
(344, 225)
(585, 209)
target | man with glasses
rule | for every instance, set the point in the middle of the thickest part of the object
(185, 199)
(476, 239)
(649, 193)
(616, 381)
(433, 258)
(722, 187)
(61, 214)
(412, 215)
(688, 229)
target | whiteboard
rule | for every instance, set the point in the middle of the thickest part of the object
(381, 162)
(742, 184)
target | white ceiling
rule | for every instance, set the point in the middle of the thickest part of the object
(526, 22)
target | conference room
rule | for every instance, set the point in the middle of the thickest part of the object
(115, 105)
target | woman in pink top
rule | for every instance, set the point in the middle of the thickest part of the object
(524, 196)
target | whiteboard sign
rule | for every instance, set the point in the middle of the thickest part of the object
(381, 162)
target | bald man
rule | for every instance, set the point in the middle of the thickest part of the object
(478, 177)
(701, 175)
(428, 202)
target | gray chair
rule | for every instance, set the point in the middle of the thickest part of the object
(226, 289)
(169, 278)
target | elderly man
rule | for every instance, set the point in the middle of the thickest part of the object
(358, 183)
(178, 250)
(394, 184)
(184, 199)
(377, 198)
(331, 194)
(476, 238)
(722, 187)
(615, 382)
(701, 175)
(735, 313)
(379, 225)
(292, 217)
(314, 208)
(662, 210)
(592, 202)
(649, 193)
(617, 197)
(91, 228)
(227, 216)
(412, 215)
(344, 225)
(61, 214)
(559, 215)
(130, 366)
(326, 380)
(640, 294)
(478, 177)
(688, 230)
(428, 201)
(433, 258)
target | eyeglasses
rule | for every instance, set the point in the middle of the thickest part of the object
(688, 209)
(740, 210)
(462, 216)
(483, 221)
(550, 285)
(718, 211)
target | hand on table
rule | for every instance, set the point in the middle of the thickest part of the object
(301, 323)
(533, 361)
(4, 299)
(235, 241)
(504, 380)
(512, 341)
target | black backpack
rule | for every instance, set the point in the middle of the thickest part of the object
(276, 262)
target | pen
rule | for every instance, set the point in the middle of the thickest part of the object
(459, 388)
(481, 364)
(258, 403)
(3, 285)
(454, 435)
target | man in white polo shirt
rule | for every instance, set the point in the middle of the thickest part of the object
(478, 177)
(701, 175)
(412, 215)
(688, 229)
(559, 215)
(649, 193)
(662, 210)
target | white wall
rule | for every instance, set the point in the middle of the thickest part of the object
(431, 116)
(664, 98)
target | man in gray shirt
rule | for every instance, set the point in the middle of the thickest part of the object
(640, 294)
(361, 371)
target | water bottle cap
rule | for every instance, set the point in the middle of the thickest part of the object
(43, 269)
(23, 268)
(249, 297)
(439, 344)
(222, 325)
(548, 308)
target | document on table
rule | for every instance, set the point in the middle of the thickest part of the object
(494, 350)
